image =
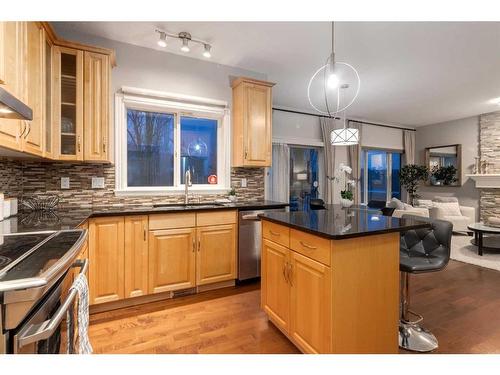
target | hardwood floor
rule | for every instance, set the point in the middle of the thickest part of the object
(460, 305)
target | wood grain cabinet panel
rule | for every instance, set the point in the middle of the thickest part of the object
(33, 137)
(275, 294)
(252, 123)
(136, 256)
(12, 59)
(107, 259)
(311, 300)
(216, 255)
(96, 106)
(172, 259)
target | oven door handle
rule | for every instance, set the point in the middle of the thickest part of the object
(42, 331)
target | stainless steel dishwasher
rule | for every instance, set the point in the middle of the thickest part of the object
(250, 243)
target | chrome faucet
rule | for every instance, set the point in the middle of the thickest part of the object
(187, 184)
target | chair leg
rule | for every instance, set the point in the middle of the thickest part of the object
(411, 335)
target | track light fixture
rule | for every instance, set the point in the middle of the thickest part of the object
(185, 38)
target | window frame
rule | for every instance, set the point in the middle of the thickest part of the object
(177, 105)
(388, 152)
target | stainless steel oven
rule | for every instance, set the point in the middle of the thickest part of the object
(35, 291)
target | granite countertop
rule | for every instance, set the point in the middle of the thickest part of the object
(339, 223)
(71, 218)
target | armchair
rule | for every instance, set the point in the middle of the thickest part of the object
(448, 208)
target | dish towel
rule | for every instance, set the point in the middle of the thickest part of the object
(81, 286)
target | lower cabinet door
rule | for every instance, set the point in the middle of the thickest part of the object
(136, 256)
(275, 290)
(106, 257)
(216, 255)
(311, 299)
(172, 259)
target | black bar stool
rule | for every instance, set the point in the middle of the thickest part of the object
(422, 250)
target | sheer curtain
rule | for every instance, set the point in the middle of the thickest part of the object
(327, 125)
(409, 145)
(354, 161)
(279, 181)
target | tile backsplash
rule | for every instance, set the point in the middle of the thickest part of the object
(28, 178)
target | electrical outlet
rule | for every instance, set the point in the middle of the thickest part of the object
(97, 182)
(243, 182)
(64, 182)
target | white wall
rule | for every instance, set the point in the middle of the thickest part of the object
(293, 128)
(463, 131)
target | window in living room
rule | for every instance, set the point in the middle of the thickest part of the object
(380, 175)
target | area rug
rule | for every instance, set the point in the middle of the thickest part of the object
(463, 251)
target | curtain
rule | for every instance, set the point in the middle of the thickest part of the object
(354, 161)
(279, 189)
(327, 126)
(409, 145)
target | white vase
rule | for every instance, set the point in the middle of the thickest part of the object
(346, 202)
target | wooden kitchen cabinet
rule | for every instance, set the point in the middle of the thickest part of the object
(136, 256)
(310, 304)
(252, 123)
(216, 254)
(107, 259)
(35, 95)
(172, 259)
(12, 60)
(48, 146)
(68, 103)
(96, 106)
(275, 290)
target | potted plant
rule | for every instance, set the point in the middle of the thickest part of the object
(446, 175)
(346, 194)
(232, 195)
(410, 176)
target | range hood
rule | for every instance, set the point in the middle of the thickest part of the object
(13, 108)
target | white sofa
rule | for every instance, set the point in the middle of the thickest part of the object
(444, 208)
(415, 211)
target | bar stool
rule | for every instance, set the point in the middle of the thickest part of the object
(421, 250)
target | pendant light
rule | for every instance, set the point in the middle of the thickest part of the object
(331, 90)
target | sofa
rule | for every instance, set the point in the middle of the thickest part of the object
(406, 209)
(449, 209)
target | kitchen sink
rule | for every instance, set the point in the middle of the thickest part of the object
(189, 205)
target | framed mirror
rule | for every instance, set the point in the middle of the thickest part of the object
(445, 165)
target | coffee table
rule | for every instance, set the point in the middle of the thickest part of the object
(490, 241)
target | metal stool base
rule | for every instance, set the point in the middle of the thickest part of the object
(415, 338)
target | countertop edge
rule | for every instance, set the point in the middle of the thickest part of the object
(339, 237)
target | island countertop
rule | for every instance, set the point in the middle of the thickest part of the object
(337, 223)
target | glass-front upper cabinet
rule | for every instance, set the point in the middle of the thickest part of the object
(68, 103)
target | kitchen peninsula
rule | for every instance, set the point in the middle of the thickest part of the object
(330, 278)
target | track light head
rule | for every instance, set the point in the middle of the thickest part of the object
(162, 42)
(206, 52)
(185, 45)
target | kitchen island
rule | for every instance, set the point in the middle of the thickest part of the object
(330, 278)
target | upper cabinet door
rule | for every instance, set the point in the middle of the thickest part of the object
(33, 136)
(252, 123)
(96, 106)
(12, 59)
(68, 103)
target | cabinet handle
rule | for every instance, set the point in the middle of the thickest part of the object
(78, 144)
(199, 245)
(274, 233)
(104, 146)
(246, 154)
(194, 244)
(290, 274)
(284, 271)
(28, 127)
(308, 246)
(144, 230)
(24, 129)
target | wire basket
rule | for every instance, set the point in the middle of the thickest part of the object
(48, 203)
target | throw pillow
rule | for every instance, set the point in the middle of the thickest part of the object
(448, 208)
(427, 203)
(396, 203)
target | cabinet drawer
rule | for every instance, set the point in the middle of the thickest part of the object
(215, 218)
(172, 221)
(311, 246)
(276, 233)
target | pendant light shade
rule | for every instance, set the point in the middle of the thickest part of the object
(344, 137)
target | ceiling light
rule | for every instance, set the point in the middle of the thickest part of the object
(333, 81)
(185, 46)
(162, 42)
(207, 53)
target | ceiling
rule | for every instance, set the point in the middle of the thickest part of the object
(412, 73)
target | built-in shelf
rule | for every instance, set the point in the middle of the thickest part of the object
(486, 181)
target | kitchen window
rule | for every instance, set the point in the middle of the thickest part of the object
(160, 137)
(380, 175)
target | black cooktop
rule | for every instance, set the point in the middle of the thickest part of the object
(15, 247)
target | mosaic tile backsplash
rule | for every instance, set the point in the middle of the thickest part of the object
(29, 178)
